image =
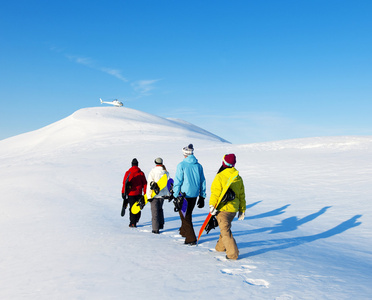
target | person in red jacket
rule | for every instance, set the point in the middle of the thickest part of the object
(137, 185)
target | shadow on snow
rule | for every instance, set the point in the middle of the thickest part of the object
(286, 225)
(278, 244)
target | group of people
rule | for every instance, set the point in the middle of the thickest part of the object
(189, 182)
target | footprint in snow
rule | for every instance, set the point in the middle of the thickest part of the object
(242, 272)
(144, 229)
(179, 241)
(257, 282)
(221, 258)
(284, 297)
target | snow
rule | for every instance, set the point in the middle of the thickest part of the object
(306, 235)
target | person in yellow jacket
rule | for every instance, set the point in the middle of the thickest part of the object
(233, 202)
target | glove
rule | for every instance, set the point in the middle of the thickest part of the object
(201, 202)
(212, 210)
(241, 216)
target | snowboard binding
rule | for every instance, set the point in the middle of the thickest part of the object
(154, 186)
(212, 224)
(141, 202)
(178, 202)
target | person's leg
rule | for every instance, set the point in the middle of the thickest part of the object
(161, 214)
(132, 218)
(155, 215)
(187, 224)
(137, 216)
(226, 240)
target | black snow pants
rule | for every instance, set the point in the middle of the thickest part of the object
(133, 218)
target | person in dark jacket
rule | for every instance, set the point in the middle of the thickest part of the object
(137, 185)
(190, 180)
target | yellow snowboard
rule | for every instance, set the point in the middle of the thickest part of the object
(162, 183)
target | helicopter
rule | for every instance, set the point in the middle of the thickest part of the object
(116, 102)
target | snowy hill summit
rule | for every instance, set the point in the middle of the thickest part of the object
(103, 123)
(306, 234)
(98, 125)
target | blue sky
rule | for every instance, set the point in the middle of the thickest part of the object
(248, 71)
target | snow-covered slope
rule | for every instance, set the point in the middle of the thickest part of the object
(96, 125)
(307, 232)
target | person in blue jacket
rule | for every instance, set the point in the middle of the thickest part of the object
(189, 179)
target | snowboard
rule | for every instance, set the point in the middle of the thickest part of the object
(125, 203)
(184, 201)
(224, 190)
(137, 206)
(170, 185)
(184, 206)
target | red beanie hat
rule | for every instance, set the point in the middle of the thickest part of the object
(229, 160)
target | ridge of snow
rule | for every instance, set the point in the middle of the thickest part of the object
(341, 143)
(98, 123)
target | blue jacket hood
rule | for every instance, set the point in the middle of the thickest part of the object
(191, 159)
